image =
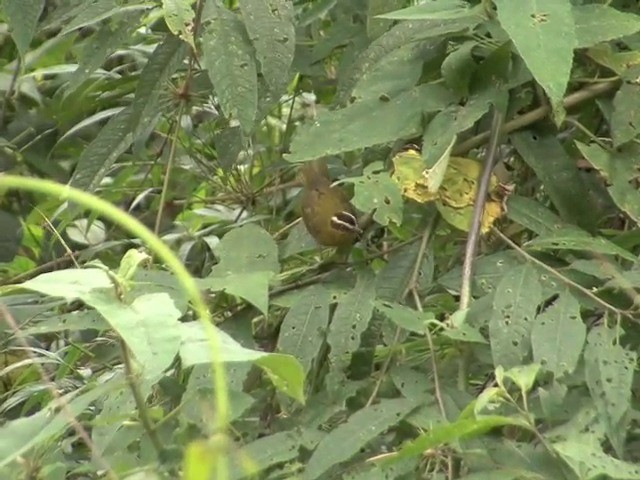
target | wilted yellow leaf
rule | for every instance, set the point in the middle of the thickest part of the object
(457, 193)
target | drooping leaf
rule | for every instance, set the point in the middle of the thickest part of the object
(609, 370)
(376, 190)
(89, 13)
(571, 238)
(350, 319)
(271, 30)
(587, 460)
(303, 330)
(544, 33)
(229, 57)
(284, 370)
(148, 325)
(154, 79)
(346, 440)
(100, 155)
(366, 123)
(597, 23)
(558, 336)
(248, 261)
(515, 301)
(618, 168)
(274, 449)
(22, 17)
(398, 36)
(557, 171)
(533, 215)
(427, 11)
(624, 118)
(179, 16)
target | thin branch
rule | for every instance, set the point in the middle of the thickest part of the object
(539, 113)
(478, 210)
(564, 279)
(434, 363)
(141, 406)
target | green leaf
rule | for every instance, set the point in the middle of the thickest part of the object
(533, 215)
(284, 370)
(626, 105)
(544, 34)
(585, 457)
(366, 123)
(488, 271)
(404, 33)
(463, 428)
(394, 277)
(248, 261)
(454, 119)
(557, 171)
(154, 80)
(609, 370)
(99, 156)
(148, 325)
(89, 13)
(107, 39)
(376, 190)
(252, 286)
(442, 9)
(179, 16)
(516, 299)
(598, 23)
(345, 441)
(405, 317)
(571, 238)
(22, 17)
(229, 57)
(271, 450)
(458, 67)
(618, 168)
(303, 330)
(270, 27)
(350, 319)
(19, 436)
(399, 72)
(558, 336)
(524, 376)
(247, 249)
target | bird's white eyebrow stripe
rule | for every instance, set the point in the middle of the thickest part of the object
(348, 223)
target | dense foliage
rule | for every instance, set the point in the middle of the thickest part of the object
(220, 340)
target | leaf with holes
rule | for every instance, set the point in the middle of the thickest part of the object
(229, 57)
(349, 321)
(544, 34)
(303, 330)
(620, 169)
(609, 370)
(558, 336)
(376, 190)
(271, 30)
(515, 301)
(571, 238)
(346, 440)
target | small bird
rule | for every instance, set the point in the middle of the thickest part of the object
(327, 213)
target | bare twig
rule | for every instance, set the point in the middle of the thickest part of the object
(564, 279)
(539, 113)
(478, 210)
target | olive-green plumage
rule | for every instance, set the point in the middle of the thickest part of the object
(326, 210)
